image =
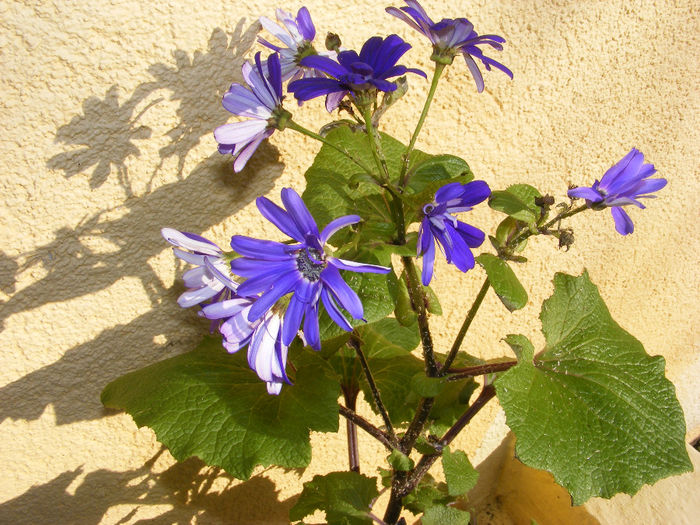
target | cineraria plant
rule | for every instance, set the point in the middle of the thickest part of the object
(337, 306)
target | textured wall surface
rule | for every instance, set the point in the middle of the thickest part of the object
(108, 110)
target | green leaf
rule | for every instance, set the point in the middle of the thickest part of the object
(460, 475)
(337, 186)
(400, 461)
(593, 408)
(445, 516)
(428, 175)
(503, 281)
(518, 201)
(345, 497)
(521, 346)
(426, 386)
(208, 403)
(404, 312)
(427, 494)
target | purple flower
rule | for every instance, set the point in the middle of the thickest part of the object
(210, 281)
(267, 355)
(261, 101)
(202, 284)
(297, 35)
(305, 270)
(354, 73)
(455, 237)
(623, 184)
(450, 36)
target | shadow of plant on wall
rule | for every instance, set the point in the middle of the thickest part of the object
(194, 491)
(107, 130)
(118, 243)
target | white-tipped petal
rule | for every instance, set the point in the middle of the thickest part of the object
(239, 132)
(192, 242)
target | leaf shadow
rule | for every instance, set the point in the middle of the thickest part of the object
(72, 384)
(117, 244)
(196, 494)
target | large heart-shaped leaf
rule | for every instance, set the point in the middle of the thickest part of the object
(208, 403)
(593, 408)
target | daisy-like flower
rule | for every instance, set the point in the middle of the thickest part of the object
(202, 284)
(305, 270)
(267, 355)
(354, 73)
(261, 102)
(211, 281)
(455, 237)
(297, 35)
(451, 36)
(623, 184)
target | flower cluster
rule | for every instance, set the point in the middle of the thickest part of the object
(335, 75)
(623, 184)
(250, 313)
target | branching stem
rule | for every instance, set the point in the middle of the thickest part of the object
(563, 215)
(304, 131)
(479, 370)
(377, 433)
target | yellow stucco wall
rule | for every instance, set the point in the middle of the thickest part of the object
(107, 111)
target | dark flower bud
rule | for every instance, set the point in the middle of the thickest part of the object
(333, 42)
(566, 239)
(544, 202)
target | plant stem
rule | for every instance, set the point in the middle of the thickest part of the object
(350, 396)
(417, 295)
(563, 215)
(304, 131)
(416, 426)
(354, 342)
(479, 370)
(425, 462)
(465, 326)
(378, 434)
(375, 143)
(407, 156)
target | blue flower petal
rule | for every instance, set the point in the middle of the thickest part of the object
(279, 218)
(282, 286)
(259, 249)
(299, 213)
(346, 296)
(428, 263)
(623, 223)
(333, 311)
(311, 330)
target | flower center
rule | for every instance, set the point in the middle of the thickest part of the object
(428, 208)
(304, 50)
(310, 263)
